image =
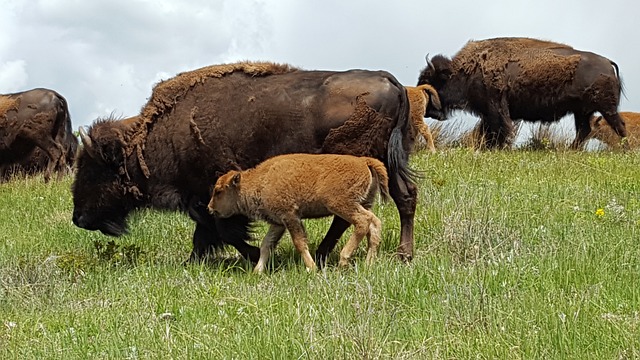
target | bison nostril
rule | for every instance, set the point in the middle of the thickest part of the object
(77, 220)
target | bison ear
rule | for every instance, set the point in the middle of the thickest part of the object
(434, 98)
(235, 181)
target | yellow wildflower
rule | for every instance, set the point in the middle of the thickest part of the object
(600, 212)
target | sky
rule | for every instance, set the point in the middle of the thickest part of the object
(104, 56)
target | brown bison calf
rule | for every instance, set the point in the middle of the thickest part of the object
(285, 189)
(602, 131)
(419, 98)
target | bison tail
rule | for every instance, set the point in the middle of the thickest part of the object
(397, 149)
(620, 83)
(380, 177)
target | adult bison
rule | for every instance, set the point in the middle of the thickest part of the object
(201, 124)
(507, 79)
(33, 119)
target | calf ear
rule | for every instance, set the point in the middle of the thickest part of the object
(434, 98)
(235, 181)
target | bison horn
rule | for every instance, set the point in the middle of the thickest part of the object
(86, 141)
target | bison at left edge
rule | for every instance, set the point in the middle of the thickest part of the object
(37, 118)
(203, 123)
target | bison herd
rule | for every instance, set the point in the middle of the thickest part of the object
(233, 124)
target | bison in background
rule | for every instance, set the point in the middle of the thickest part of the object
(422, 99)
(602, 131)
(285, 189)
(203, 123)
(37, 118)
(506, 79)
(37, 161)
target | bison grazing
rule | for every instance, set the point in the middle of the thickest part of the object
(285, 189)
(601, 130)
(37, 118)
(203, 123)
(421, 98)
(507, 79)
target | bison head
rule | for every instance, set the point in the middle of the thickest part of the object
(437, 74)
(226, 195)
(103, 192)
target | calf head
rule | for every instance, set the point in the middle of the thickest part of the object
(226, 195)
(103, 191)
(434, 107)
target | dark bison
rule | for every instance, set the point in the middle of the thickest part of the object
(601, 130)
(37, 161)
(203, 123)
(37, 118)
(507, 79)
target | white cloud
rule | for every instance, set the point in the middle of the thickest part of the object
(13, 75)
(105, 55)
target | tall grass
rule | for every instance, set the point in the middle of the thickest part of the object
(519, 254)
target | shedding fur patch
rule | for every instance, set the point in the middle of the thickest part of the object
(167, 93)
(8, 103)
(536, 59)
(359, 135)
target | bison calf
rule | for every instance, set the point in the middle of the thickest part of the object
(601, 130)
(285, 189)
(420, 97)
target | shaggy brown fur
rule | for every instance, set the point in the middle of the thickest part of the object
(166, 93)
(537, 60)
(602, 131)
(285, 189)
(419, 99)
(506, 79)
(37, 118)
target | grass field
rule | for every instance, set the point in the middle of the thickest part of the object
(519, 254)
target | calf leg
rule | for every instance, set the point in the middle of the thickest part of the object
(404, 194)
(426, 134)
(373, 237)
(299, 237)
(361, 220)
(268, 244)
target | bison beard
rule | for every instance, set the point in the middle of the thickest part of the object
(507, 79)
(203, 123)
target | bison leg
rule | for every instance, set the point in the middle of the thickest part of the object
(202, 245)
(361, 220)
(55, 152)
(299, 237)
(337, 228)
(583, 129)
(268, 244)
(497, 126)
(405, 195)
(426, 134)
(212, 233)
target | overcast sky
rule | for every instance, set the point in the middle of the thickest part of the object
(104, 56)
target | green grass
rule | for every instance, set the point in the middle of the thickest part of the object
(513, 260)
